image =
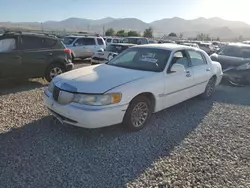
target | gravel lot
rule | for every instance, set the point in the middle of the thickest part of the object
(194, 144)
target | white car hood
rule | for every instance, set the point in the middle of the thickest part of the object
(98, 78)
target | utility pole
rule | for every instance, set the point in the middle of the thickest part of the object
(103, 30)
(42, 26)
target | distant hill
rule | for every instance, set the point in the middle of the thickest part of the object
(215, 27)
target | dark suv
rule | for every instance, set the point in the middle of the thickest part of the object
(32, 55)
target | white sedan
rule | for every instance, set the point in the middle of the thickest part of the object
(142, 80)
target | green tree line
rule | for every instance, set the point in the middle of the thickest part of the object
(122, 33)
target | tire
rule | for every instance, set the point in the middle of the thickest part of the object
(73, 57)
(129, 120)
(56, 68)
(210, 88)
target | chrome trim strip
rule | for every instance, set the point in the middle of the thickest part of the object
(97, 108)
(166, 94)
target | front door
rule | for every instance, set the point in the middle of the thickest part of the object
(35, 56)
(10, 59)
(178, 85)
(201, 70)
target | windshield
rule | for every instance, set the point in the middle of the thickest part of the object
(146, 59)
(68, 40)
(114, 48)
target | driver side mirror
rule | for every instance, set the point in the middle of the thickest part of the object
(177, 68)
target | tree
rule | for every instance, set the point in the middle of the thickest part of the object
(110, 32)
(133, 34)
(181, 36)
(121, 33)
(172, 35)
(148, 33)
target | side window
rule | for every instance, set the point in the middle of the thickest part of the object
(47, 43)
(79, 42)
(100, 41)
(89, 41)
(31, 43)
(179, 57)
(7, 44)
(196, 58)
(232, 51)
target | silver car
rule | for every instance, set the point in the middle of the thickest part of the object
(84, 46)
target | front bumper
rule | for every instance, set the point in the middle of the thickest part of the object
(85, 116)
(96, 60)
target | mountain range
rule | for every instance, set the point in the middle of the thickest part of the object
(215, 27)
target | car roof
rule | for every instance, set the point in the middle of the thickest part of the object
(122, 44)
(80, 36)
(166, 46)
(239, 45)
(136, 37)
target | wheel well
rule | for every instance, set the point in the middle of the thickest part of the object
(215, 77)
(148, 95)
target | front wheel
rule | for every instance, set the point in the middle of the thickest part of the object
(210, 88)
(53, 71)
(138, 114)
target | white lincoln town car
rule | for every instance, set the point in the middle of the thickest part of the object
(141, 80)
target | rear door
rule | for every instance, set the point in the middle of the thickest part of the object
(90, 46)
(10, 59)
(201, 70)
(35, 56)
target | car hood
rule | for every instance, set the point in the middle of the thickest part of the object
(98, 78)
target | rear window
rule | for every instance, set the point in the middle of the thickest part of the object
(69, 40)
(100, 41)
(109, 40)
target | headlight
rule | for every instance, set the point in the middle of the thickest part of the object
(244, 67)
(98, 100)
(51, 87)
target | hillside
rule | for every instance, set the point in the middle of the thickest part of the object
(215, 27)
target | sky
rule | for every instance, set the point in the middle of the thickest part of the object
(145, 10)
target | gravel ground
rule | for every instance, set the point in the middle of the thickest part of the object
(194, 144)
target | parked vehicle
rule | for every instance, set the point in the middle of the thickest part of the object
(135, 40)
(84, 46)
(235, 61)
(112, 50)
(207, 47)
(30, 55)
(191, 44)
(142, 80)
(112, 40)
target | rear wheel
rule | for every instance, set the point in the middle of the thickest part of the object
(210, 88)
(53, 70)
(138, 114)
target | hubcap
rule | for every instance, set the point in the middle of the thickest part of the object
(139, 114)
(55, 71)
(210, 87)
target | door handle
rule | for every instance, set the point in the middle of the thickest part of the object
(17, 56)
(50, 54)
(188, 74)
(208, 69)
